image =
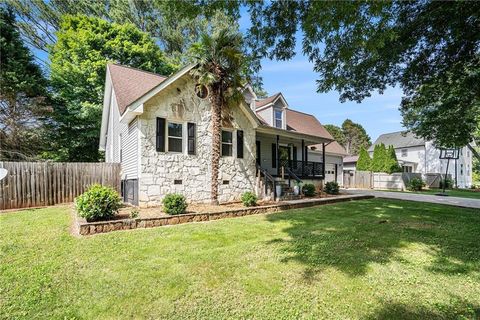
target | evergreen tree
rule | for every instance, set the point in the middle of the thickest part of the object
(78, 65)
(22, 96)
(364, 162)
(392, 161)
(379, 158)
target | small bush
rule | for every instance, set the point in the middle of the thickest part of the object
(174, 203)
(249, 199)
(448, 183)
(332, 187)
(134, 213)
(416, 184)
(308, 190)
(98, 203)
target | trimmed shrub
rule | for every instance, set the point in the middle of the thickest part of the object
(98, 203)
(249, 199)
(174, 203)
(308, 190)
(416, 184)
(448, 183)
(332, 187)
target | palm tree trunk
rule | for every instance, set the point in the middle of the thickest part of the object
(216, 107)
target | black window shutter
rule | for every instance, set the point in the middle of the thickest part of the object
(274, 155)
(240, 144)
(161, 134)
(257, 143)
(191, 137)
(306, 154)
(294, 154)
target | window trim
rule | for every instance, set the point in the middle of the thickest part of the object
(404, 154)
(167, 142)
(232, 131)
(275, 110)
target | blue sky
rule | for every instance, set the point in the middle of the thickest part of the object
(297, 81)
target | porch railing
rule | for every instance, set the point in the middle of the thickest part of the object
(304, 169)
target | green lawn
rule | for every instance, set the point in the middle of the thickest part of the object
(462, 193)
(367, 259)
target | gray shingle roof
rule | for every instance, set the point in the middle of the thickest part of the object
(401, 139)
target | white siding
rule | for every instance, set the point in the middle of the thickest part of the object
(112, 149)
(267, 115)
(130, 150)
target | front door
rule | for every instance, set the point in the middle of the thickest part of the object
(283, 156)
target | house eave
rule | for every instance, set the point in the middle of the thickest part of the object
(107, 97)
(309, 139)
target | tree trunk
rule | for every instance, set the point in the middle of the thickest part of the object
(216, 109)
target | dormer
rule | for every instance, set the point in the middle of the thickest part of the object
(272, 111)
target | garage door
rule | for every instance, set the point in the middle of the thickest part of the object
(329, 172)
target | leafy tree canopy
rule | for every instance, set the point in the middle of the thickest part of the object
(78, 58)
(336, 132)
(23, 94)
(429, 48)
(352, 136)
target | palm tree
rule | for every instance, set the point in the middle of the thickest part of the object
(220, 66)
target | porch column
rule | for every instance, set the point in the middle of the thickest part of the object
(278, 156)
(323, 159)
(303, 158)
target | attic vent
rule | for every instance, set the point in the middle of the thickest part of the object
(201, 91)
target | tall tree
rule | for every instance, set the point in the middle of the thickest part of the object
(429, 48)
(22, 94)
(352, 136)
(364, 162)
(220, 65)
(355, 137)
(78, 64)
(336, 132)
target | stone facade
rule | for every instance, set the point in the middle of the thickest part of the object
(158, 170)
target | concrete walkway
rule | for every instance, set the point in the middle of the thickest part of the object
(452, 201)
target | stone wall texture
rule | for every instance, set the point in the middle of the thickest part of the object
(158, 170)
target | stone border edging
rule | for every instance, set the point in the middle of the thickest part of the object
(90, 228)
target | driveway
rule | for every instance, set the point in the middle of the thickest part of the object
(452, 201)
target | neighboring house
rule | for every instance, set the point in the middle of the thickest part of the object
(159, 129)
(420, 156)
(350, 163)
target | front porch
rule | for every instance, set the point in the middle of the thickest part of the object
(282, 158)
(281, 155)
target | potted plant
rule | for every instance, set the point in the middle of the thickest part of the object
(296, 188)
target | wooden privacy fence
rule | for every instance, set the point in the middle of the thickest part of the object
(358, 179)
(35, 184)
(378, 180)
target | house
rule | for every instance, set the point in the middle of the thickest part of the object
(158, 128)
(350, 163)
(417, 155)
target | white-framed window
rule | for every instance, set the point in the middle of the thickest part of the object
(227, 143)
(461, 169)
(404, 152)
(278, 118)
(175, 137)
